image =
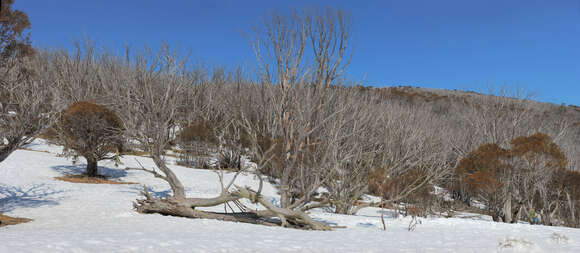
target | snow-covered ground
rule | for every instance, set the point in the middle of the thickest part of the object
(72, 217)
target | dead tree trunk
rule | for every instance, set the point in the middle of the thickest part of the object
(186, 208)
(571, 207)
(288, 217)
(169, 177)
(507, 209)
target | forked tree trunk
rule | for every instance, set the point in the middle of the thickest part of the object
(92, 169)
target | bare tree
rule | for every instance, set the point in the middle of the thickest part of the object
(149, 102)
(24, 102)
(301, 89)
(26, 108)
(78, 74)
(352, 146)
(495, 118)
(409, 155)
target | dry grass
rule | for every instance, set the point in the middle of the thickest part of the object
(146, 154)
(7, 220)
(34, 150)
(177, 151)
(171, 155)
(83, 179)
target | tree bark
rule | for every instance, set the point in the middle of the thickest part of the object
(570, 206)
(507, 209)
(7, 150)
(92, 168)
(182, 208)
(288, 217)
(170, 177)
(285, 189)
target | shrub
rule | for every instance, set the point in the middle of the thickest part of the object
(407, 187)
(201, 139)
(199, 131)
(91, 131)
(196, 140)
(229, 159)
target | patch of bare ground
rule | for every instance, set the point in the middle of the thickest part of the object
(83, 179)
(7, 220)
(135, 152)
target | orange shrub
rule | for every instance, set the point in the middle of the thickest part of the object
(91, 131)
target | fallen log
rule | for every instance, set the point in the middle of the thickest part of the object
(181, 207)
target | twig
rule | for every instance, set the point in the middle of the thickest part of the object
(152, 171)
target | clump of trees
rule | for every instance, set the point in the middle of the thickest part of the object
(25, 102)
(568, 185)
(410, 160)
(509, 182)
(91, 131)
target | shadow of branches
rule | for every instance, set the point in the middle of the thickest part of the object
(12, 197)
(153, 192)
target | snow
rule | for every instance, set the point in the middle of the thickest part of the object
(72, 217)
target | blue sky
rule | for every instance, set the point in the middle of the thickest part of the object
(451, 44)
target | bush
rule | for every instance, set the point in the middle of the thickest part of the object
(394, 186)
(201, 139)
(199, 131)
(229, 159)
(91, 131)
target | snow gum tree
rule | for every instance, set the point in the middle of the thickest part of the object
(91, 131)
(14, 41)
(301, 57)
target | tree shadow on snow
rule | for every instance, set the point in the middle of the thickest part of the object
(387, 213)
(12, 197)
(154, 193)
(328, 223)
(68, 170)
(31, 145)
